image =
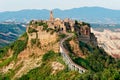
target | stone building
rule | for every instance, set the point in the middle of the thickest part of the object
(54, 23)
(63, 25)
(67, 25)
(82, 29)
(51, 16)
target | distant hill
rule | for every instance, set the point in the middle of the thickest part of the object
(10, 32)
(102, 27)
(88, 14)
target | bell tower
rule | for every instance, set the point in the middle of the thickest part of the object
(51, 16)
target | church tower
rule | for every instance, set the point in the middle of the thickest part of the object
(51, 16)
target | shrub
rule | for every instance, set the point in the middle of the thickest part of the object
(61, 36)
(33, 41)
(36, 42)
(48, 55)
(19, 45)
(52, 32)
(3, 51)
(6, 62)
(45, 26)
(31, 30)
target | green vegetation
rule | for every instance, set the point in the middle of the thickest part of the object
(20, 44)
(44, 72)
(49, 29)
(36, 42)
(45, 26)
(84, 23)
(39, 23)
(67, 45)
(61, 36)
(31, 30)
(48, 56)
(106, 74)
(86, 48)
(3, 51)
(33, 41)
(100, 66)
(10, 73)
(6, 62)
(78, 25)
(76, 22)
(17, 47)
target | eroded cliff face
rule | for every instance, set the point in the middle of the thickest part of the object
(110, 41)
(75, 48)
(39, 42)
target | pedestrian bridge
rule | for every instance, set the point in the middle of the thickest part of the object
(65, 54)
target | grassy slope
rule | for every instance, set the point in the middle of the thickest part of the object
(44, 72)
(100, 66)
(17, 47)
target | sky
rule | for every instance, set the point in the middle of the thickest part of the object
(15, 5)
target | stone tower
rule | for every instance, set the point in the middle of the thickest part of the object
(51, 16)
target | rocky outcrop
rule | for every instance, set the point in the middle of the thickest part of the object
(44, 42)
(39, 42)
(75, 48)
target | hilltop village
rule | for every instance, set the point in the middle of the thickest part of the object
(82, 29)
(57, 49)
(45, 33)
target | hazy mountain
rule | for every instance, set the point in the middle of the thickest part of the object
(24, 15)
(102, 27)
(89, 14)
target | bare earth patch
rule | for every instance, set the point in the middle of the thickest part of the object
(28, 64)
(76, 49)
(56, 66)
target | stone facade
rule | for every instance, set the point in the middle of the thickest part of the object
(63, 25)
(51, 16)
(68, 25)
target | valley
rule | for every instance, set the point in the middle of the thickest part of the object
(9, 32)
(110, 41)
